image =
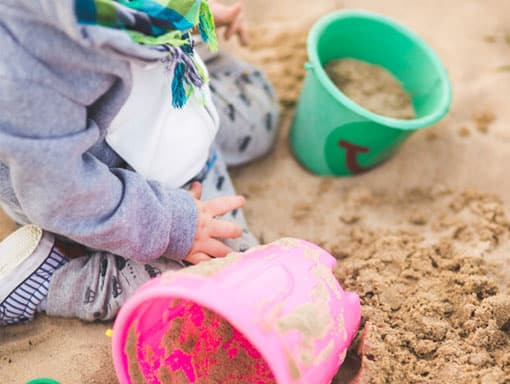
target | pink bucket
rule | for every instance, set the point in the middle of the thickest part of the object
(274, 314)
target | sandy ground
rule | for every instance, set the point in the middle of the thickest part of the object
(424, 239)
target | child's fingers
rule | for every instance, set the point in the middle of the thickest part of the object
(197, 258)
(229, 30)
(215, 248)
(235, 11)
(224, 15)
(222, 205)
(225, 229)
(232, 28)
(196, 190)
(243, 34)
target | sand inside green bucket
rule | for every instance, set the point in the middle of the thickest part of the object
(372, 87)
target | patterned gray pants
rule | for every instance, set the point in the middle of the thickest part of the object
(94, 286)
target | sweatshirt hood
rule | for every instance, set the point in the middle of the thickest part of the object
(60, 14)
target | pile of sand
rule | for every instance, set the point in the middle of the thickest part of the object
(432, 312)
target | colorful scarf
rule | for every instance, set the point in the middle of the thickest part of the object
(165, 23)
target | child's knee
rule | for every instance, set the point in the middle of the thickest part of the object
(270, 112)
(249, 111)
(260, 101)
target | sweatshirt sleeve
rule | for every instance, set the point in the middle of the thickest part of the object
(45, 140)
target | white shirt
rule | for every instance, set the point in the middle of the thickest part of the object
(158, 141)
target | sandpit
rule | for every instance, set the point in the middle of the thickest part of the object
(424, 239)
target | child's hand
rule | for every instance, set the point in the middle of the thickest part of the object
(232, 18)
(205, 245)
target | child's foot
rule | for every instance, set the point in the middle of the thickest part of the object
(28, 259)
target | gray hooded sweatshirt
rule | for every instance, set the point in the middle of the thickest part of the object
(61, 84)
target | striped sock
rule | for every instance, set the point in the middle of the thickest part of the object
(21, 304)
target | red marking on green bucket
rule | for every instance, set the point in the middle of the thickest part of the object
(325, 117)
(351, 155)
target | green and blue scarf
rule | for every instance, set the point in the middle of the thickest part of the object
(163, 23)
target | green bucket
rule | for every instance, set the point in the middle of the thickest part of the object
(331, 134)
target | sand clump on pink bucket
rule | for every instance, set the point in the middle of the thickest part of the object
(274, 314)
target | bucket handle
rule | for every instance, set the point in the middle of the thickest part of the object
(309, 66)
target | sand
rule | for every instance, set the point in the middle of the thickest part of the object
(430, 304)
(212, 350)
(424, 238)
(372, 87)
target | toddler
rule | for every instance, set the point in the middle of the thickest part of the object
(115, 135)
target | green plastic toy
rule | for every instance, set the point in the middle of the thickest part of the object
(43, 381)
(331, 134)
